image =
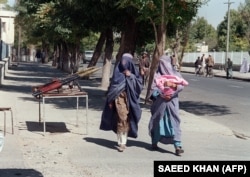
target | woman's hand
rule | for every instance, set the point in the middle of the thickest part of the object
(110, 105)
(166, 97)
(127, 73)
(170, 84)
(142, 72)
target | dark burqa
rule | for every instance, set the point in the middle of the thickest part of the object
(165, 119)
(133, 87)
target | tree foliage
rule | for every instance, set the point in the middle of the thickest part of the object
(201, 32)
(81, 22)
(238, 31)
(3, 1)
(244, 11)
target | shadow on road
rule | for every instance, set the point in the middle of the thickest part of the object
(113, 144)
(201, 108)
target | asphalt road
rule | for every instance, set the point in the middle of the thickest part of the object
(225, 101)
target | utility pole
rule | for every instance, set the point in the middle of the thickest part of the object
(228, 28)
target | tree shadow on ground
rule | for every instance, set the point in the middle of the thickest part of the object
(201, 108)
(13, 172)
(52, 127)
(198, 108)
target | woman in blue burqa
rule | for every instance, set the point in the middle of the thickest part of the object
(122, 111)
(164, 125)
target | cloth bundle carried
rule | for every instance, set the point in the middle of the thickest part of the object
(171, 78)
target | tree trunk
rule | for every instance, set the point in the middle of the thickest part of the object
(58, 56)
(176, 46)
(74, 59)
(160, 38)
(19, 43)
(121, 48)
(98, 50)
(185, 41)
(65, 58)
(128, 39)
(107, 61)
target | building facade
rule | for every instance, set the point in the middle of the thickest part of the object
(7, 32)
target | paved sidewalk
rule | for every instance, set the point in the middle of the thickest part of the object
(67, 151)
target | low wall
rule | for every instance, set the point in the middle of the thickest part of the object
(216, 66)
(219, 57)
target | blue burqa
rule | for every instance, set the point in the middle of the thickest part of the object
(164, 125)
(133, 86)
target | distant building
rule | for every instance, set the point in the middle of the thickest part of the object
(7, 31)
(201, 47)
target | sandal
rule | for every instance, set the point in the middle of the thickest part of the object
(178, 151)
(121, 148)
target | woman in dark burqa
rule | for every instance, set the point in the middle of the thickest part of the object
(122, 111)
(164, 125)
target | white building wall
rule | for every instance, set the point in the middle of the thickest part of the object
(219, 57)
(7, 26)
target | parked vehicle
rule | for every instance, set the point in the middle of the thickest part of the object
(88, 54)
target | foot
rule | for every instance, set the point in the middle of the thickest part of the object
(121, 147)
(178, 151)
(154, 147)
